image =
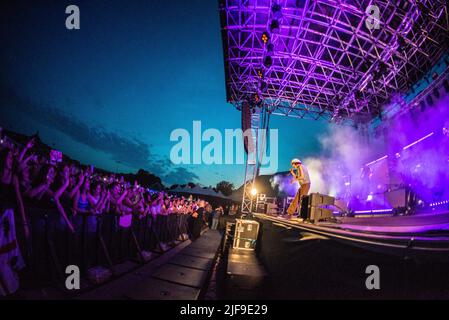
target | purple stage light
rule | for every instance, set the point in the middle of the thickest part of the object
(375, 161)
(417, 141)
(374, 211)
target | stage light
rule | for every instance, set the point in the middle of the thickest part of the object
(253, 191)
(436, 93)
(398, 155)
(446, 85)
(422, 105)
(369, 198)
(445, 131)
(268, 61)
(274, 26)
(265, 37)
(276, 9)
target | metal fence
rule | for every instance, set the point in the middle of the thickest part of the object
(98, 240)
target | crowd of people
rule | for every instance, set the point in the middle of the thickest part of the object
(29, 178)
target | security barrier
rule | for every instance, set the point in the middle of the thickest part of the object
(98, 240)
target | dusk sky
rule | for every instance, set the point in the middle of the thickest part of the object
(111, 93)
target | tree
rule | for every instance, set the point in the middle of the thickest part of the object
(225, 187)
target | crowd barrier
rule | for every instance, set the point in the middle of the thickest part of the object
(98, 240)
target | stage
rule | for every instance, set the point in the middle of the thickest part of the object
(329, 259)
(424, 236)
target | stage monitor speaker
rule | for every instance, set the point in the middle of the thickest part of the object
(311, 207)
(319, 214)
(318, 199)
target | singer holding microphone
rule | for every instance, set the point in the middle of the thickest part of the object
(300, 174)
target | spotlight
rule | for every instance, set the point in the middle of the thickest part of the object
(276, 9)
(446, 85)
(422, 104)
(369, 198)
(436, 93)
(265, 37)
(398, 155)
(268, 61)
(253, 191)
(274, 27)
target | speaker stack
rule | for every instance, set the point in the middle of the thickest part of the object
(313, 207)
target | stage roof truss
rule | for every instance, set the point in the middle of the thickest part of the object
(325, 62)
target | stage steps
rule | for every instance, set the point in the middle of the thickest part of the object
(184, 276)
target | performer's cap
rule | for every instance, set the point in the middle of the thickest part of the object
(296, 161)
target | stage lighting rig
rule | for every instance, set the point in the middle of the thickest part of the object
(265, 37)
(263, 86)
(436, 93)
(274, 26)
(254, 192)
(270, 49)
(446, 85)
(268, 61)
(277, 11)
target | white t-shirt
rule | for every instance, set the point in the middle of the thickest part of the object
(306, 178)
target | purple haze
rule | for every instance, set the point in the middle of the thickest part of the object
(424, 167)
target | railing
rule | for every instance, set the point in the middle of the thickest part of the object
(98, 240)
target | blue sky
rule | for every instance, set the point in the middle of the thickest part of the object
(111, 93)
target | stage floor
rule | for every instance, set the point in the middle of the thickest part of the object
(418, 223)
(415, 234)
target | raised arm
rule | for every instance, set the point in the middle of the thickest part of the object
(78, 185)
(21, 206)
(64, 215)
(64, 186)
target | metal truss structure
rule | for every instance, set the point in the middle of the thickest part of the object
(331, 60)
(255, 155)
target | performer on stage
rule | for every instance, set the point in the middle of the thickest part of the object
(300, 174)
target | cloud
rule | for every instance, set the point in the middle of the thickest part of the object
(129, 151)
(180, 175)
